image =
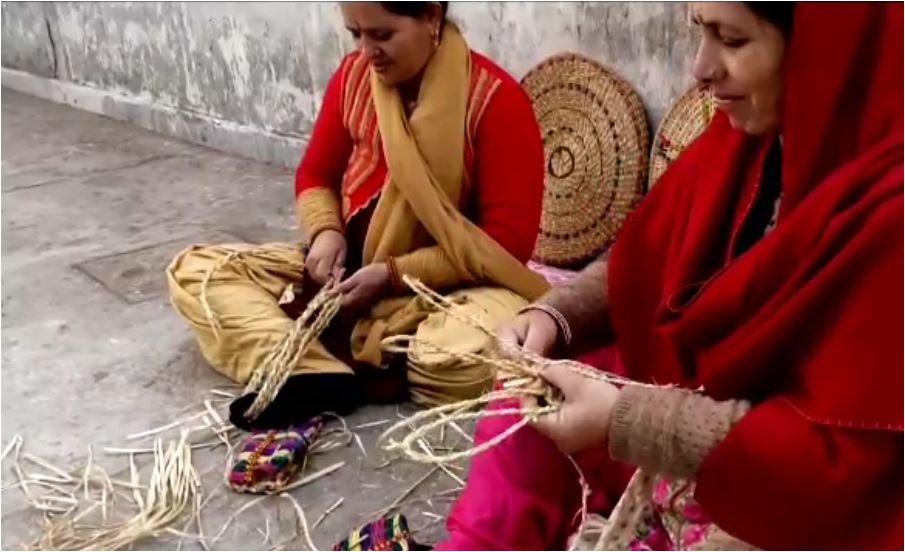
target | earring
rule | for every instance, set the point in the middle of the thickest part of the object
(435, 35)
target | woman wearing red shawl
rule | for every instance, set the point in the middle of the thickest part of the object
(762, 278)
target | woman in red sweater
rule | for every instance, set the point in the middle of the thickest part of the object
(425, 160)
(762, 278)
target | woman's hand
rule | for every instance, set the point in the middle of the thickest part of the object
(326, 257)
(364, 286)
(583, 420)
(534, 330)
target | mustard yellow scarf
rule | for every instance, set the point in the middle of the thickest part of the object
(417, 207)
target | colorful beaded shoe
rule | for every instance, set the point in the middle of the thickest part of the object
(385, 534)
(268, 460)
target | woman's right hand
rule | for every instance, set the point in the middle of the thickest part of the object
(534, 330)
(326, 257)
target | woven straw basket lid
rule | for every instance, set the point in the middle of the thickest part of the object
(684, 122)
(595, 148)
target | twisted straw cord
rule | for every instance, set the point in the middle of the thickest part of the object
(519, 372)
(270, 376)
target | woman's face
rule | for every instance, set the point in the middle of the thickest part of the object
(740, 58)
(397, 46)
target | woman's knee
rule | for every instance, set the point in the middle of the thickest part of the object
(195, 260)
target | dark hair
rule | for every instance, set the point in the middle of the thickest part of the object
(414, 9)
(778, 14)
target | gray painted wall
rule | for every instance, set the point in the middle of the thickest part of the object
(263, 66)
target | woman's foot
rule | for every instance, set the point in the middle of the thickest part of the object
(302, 397)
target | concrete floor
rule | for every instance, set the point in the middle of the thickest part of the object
(92, 211)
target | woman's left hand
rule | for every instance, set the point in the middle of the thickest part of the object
(364, 286)
(583, 421)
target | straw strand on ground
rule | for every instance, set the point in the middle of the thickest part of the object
(13, 443)
(234, 515)
(327, 512)
(302, 521)
(173, 484)
(314, 476)
(405, 493)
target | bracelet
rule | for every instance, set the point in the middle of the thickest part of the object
(558, 317)
(395, 280)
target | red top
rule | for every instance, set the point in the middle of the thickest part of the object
(806, 324)
(503, 153)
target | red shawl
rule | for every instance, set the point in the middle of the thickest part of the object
(808, 323)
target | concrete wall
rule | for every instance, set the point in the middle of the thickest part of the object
(248, 77)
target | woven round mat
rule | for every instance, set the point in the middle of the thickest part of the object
(595, 148)
(684, 122)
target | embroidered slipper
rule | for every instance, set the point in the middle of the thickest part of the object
(268, 460)
(384, 534)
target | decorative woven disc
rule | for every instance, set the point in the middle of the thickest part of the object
(684, 122)
(595, 147)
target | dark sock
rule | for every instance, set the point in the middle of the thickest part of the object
(301, 398)
(387, 385)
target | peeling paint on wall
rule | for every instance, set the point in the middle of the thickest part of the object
(24, 40)
(265, 64)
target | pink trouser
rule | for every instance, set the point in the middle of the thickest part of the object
(524, 494)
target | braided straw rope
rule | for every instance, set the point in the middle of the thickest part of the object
(684, 122)
(595, 146)
(270, 376)
(517, 370)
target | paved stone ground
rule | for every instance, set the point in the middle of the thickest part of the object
(92, 210)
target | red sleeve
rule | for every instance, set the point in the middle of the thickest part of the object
(509, 158)
(855, 476)
(820, 465)
(330, 146)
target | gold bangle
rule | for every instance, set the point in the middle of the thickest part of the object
(395, 280)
